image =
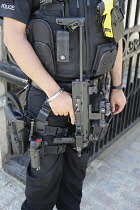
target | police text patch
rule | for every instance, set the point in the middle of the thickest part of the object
(8, 6)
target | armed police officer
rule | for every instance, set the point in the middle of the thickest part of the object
(66, 48)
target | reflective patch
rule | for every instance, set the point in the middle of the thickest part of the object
(8, 6)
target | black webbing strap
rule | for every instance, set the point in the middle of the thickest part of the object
(54, 149)
(44, 112)
(53, 6)
(43, 128)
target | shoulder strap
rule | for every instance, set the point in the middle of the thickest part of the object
(41, 2)
(122, 5)
(67, 14)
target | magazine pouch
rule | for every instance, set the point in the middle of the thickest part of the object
(104, 59)
(39, 34)
(99, 127)
(98, 131)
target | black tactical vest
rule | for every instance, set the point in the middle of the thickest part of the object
(57, 46)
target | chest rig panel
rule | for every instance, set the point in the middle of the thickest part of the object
(57, 44)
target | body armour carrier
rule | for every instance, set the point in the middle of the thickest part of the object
(68, 38)
(53, 32)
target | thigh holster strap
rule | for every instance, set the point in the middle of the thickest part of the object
(54, 150)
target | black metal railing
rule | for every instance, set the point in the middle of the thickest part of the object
(131, 79)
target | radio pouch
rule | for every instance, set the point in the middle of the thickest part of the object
(39, 34)
(117, 23)
(105, 59)
(62, 46)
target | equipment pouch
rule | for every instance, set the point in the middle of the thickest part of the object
(39, 34)
(105, 59)
(62, 46)
(99, 132)
(100, 104)
(17, 130)
(117, 23)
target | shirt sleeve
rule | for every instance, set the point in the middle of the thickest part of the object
(16, 9)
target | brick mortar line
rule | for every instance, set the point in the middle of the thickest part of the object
(13, 179)
(122, 172)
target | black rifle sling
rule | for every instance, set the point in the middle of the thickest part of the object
(44, 112)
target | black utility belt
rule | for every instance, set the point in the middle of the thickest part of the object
(43, 129)
(63, 83)
(54, 150)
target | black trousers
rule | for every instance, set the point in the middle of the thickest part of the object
(59, 181)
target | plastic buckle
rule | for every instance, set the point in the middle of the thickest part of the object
(119, 15)
(61, 131)
(44, 112)
(73, 26)
(61, 149)
(46, 108)
(45, 1)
